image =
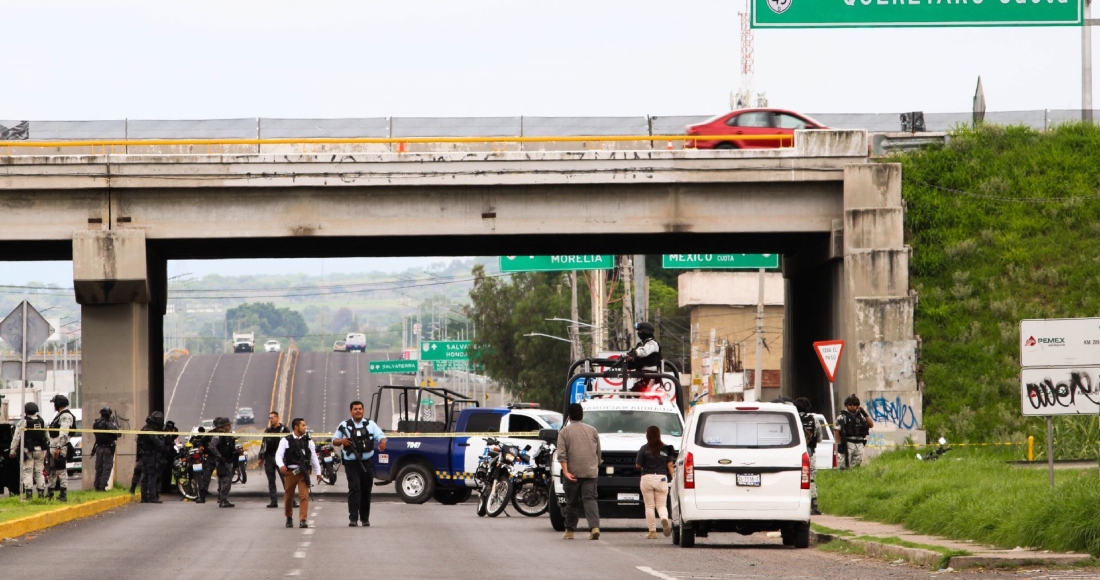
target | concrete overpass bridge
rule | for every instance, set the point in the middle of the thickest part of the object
(835, 217)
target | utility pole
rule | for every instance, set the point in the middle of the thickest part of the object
(597, 291)
(758, 377)
(641, 289)
(574, 315)
(628, 302)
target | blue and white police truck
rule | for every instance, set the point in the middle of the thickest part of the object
(440, 459)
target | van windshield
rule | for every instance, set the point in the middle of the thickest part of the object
(624, 421)
(746, 429)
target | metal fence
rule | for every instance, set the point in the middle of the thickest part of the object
(522, 126)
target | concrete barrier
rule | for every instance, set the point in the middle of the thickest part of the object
(41, 521)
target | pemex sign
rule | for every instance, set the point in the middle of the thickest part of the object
(914, 13)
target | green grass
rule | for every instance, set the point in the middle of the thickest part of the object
(971, 494)
(1019, 237)
(827, 530)
(11, 508)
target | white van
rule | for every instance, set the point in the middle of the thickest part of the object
(742, 467)
(355, 342)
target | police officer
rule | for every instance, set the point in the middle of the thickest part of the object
(852, 426)
(58, 432)
(202, 442)
(104, 448)
(151, 449)
(267, 451)
(358, 438)
(223, 448)
(35, 448)
(296, 458)
(166, 460)
(645, 356)
(809, 426)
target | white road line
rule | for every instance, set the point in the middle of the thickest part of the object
(244, 375)
(299, 554)
(307, 531)
(294, 573)
(653, 572)
(303, 545)
(207, 391)
(168, 411)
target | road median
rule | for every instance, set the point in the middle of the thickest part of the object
(61, 514)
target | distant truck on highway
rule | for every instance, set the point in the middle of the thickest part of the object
(440, 466)
(244, 342)
(355, 342)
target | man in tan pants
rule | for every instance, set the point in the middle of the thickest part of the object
(296, 459)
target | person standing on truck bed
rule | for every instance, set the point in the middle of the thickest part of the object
(645, 356)
(358, 438)
(579, 455)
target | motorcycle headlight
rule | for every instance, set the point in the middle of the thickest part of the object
(509, 458)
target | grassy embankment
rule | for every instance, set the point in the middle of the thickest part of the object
(1004, 225)
(11, 508)
(971, 494)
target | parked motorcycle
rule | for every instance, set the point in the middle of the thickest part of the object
(531, 484)
(494, 477)
(330, 462)
(240, 475)
(188, 470)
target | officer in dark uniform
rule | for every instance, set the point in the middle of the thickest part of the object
(645, 356)
(267, 453)
(224, 450)
(202, 442)
(358, 437)
(852, 426)
(809, 426)
(169, 456)
(152, 448)
(104, 448)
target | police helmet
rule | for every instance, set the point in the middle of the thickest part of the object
(105, 411)
(31, 408)
(221, 422)
(170, 425)
(851, 400)
(156, 418)
(60, 401)
(644, 328)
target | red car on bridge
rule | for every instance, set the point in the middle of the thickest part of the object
(766, 129)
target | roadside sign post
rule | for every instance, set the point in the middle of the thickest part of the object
(828, 352)
(1059, 364)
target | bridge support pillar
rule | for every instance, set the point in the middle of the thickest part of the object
(880, 355)
(112, 288)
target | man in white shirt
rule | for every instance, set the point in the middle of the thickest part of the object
(297, 458)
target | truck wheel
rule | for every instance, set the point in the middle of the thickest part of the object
(452, 496)
(802, 536)
(675, 535)
(687, 536)
(414, 484)
(557, 519)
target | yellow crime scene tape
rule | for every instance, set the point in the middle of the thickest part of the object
(933, 444)
(279, 435)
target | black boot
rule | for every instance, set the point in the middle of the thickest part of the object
(303, 524)
(30, 494)
(61, 496)
(273, 504)
(41, 494)
(290, 522)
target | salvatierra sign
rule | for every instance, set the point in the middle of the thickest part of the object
(913, 13)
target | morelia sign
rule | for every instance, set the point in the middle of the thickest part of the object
(914, 13)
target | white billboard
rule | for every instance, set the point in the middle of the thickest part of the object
(1061, 391)
(1060, 342)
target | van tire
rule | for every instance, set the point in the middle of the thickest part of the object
(802, 536)
(687, 536)
(557, 519)
(675, 535)
(414, 483)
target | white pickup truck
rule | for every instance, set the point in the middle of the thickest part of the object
(244, 342)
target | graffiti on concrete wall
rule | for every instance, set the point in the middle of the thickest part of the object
(894, 412)
(19, 132)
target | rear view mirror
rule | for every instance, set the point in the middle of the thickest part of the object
(549, 435)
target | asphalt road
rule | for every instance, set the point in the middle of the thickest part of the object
(188, 541)
(207, 386)
(326, 383)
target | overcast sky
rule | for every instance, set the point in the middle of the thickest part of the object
(245, 58)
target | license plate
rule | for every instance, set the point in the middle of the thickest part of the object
(748, 479)
(328, 460)
(196, 468)
(630, 497)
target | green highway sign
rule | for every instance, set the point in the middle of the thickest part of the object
(913, 13)
(450, 365)
(433, 350)
(393, 366)
(719, 261)
(556, 263)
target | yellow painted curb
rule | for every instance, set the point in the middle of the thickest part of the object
(31, 524)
